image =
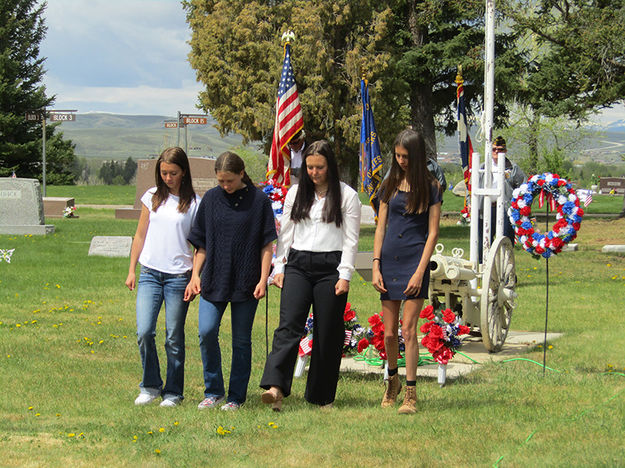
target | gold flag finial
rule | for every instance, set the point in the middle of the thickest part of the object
(459, 79)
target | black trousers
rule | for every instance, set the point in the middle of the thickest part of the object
(309, 278)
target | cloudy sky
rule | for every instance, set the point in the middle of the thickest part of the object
(129, 57)
(119, 56)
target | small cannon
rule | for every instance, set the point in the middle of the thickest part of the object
(484, 297)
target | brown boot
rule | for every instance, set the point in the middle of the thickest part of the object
(409, 406)
(393, 387)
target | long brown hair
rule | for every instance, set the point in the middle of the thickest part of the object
(232, 162)
(417, 174)
(306, 189)
(186, 194)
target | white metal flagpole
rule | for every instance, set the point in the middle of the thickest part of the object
(489, 104)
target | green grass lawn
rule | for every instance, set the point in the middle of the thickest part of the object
(70, 367)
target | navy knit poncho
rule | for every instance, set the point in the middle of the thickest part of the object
(233, 228)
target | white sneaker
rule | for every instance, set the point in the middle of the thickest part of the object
(145, 398)
(230, 406)
(170, 401)
(210, 402)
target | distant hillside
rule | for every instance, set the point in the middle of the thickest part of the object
(112, 136)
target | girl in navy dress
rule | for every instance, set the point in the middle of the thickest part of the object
(407, 231)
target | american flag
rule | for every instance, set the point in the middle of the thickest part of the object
(588, 199)
(305, 346)
(348, 337)
(289, 121)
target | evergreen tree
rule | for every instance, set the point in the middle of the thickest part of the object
(408, 49)
(130, 169)
(22, 29)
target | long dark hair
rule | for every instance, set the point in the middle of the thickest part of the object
(232, 162)
(186, 194)
(306, 190)
(417, 174)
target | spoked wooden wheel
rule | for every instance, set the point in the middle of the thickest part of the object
(498, 294)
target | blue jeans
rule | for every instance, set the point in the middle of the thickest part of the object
(154, 287)
(210, 315)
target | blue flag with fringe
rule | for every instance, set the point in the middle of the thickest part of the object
(370, 156)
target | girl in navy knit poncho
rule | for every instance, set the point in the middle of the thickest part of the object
(233, 234)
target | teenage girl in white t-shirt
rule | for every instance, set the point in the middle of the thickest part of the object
(160, 246)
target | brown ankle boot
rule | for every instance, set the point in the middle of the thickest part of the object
(409, 406)
(393, 387)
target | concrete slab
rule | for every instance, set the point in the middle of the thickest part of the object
(517, 343)
(613, 248)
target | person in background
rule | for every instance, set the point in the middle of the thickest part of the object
(232, 234)
(314, 265)
(405, 236)
(297, 145)
(160, 246)
(514, 177)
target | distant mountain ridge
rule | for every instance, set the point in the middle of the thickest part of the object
(117, 136)
(104, 120)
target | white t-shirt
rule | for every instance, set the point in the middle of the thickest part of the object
(166, 248)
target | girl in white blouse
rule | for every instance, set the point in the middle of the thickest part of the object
(315, 261)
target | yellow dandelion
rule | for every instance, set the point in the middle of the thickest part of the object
(176, 423)
(161, 429)
(550, 347)
(71, 434)
(608, 265)
(18, 325)
(92, 351)
(58, 415)
(58, 286)
(30, 408)
(157, 451)
(37, 414)
(150, 432)
(222, 431)
(101, 341)
(34, 321)
(8, 355)
(135, 437)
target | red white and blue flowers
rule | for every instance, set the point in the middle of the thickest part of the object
(562, 198)
(442, 333)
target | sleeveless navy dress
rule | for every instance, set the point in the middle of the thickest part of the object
(403, 246)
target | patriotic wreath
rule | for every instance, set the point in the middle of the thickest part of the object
(561, 197)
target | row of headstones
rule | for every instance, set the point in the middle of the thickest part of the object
(23, 209)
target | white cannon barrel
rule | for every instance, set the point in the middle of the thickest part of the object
(451, 268)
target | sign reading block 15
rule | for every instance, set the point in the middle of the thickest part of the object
(195, 120)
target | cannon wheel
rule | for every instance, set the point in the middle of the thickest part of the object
(497, 297)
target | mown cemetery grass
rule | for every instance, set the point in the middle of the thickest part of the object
(70, 369)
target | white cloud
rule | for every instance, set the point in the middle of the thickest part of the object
(127, 56)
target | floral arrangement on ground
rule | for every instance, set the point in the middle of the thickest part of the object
(442, 333)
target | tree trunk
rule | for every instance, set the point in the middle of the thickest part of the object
(421, 103)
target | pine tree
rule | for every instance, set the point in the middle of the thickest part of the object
(22, 29)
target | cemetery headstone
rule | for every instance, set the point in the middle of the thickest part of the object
(21, 207)
(53, 207)
(202, 173)
(110, 246)
(614, 185)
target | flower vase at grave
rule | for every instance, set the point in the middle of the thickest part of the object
(300, 365)
(442, 374)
